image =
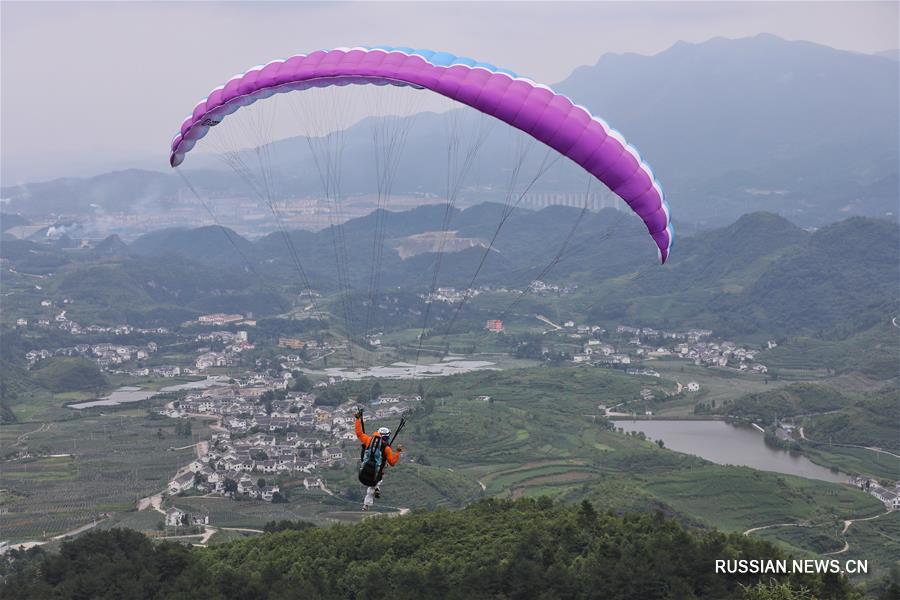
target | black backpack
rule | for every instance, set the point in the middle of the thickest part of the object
(371, 467)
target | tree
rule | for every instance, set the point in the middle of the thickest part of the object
(301, 383)
(330, 396)
(286, 525)
(261, 483)
(375, 391)
(774, 590)
(230, 485)
(660, 443)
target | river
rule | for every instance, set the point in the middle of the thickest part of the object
(726, 444)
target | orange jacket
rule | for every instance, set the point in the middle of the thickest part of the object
(389, 453)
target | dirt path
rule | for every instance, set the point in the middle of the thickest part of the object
(154, 502)
(773, 525)
(70, 533)
(870, 448)
(208, 532)
(78, 530)
(23, 437)
(847, 524)
(183, 447)
(544, 319)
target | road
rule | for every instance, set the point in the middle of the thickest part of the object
(544, 319)
(847, 524)
(81, 529)
(32, 543)
(21, 439)
(773, 525)
(154, 502)
(870, 448)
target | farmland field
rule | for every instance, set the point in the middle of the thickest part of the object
(106, 464)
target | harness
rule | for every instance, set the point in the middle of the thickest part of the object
(373, 457)
(372, 460)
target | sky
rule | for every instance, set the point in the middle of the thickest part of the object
(87, 87)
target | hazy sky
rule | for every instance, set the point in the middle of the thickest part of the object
(98, 85)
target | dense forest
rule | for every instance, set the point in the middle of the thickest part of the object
(528, 548)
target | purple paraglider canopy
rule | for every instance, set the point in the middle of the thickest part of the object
(533, 108)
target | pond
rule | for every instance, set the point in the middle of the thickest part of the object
(726, 444)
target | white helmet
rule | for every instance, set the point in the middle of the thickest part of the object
(384, 432)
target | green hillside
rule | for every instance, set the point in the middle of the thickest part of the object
(870, 421)
(63, 374)
(796, 399)
(491, 549)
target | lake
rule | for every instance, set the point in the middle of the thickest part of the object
(128, 394)
(726, 444)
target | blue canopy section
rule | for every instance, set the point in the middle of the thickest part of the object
(444, 59)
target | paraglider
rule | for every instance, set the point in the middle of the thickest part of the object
(549, 117)
(376, 453)
(535, 112)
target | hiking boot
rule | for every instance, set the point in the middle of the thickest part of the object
(377, 493)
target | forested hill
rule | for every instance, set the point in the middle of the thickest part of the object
(492, 549)
(762, 275)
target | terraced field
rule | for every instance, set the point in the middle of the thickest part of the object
(311, 505)
(538, 474)
(107, 463)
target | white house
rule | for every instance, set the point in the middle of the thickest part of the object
(333, 453)
(269, 492)
(181, 483)
(175, 517)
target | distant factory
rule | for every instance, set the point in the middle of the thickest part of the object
(595, 200)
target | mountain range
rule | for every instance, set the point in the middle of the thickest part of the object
(761, 276)
(729, 125)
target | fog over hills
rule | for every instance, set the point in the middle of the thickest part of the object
(729, 126)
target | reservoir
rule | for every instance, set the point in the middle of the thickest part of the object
(726, 444)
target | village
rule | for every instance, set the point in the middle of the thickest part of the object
(628, 345)
(452, 295)
(646, 343)
(264, 431)
(889, 497)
